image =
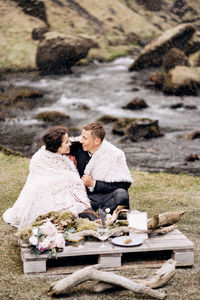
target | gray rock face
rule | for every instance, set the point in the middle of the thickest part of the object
(152, 54)
(57, 55)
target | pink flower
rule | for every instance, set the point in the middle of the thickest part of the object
(48, 229)
(42, 247)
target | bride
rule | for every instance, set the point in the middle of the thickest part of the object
(53, 183)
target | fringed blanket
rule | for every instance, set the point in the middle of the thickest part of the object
(53, 184)
(108, 164)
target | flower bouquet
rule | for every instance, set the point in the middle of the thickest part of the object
(47, 239)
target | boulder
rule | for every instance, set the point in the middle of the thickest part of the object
(53, 117)
(106, 119)
(34, 8)
(152, 54)
(194, 59)
(136, 103)
(182, 81)
(38, 34)
(57, 54)
(158, 78)
(136, 129)
(174, 57)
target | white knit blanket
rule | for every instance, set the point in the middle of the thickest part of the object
(108, 164)
(53, 184)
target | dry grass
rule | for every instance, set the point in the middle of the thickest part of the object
(154, 193)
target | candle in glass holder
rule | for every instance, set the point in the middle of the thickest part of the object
(138, 220)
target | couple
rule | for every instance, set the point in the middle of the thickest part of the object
(77, 177)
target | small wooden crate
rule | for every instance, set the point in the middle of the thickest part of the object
(175, 243)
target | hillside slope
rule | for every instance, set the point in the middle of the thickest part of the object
(108, 22)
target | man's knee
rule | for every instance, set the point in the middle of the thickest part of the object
(121, 197)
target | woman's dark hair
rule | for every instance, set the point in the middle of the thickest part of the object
(53, 138)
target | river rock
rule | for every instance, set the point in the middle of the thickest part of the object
(174, 57)
(58, 54)
(53, 117)
(192, 157)
(136, 129)
(158, 78)
(136, 103)
(152, 54)
(182, 81)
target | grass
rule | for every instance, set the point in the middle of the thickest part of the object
(154, 193)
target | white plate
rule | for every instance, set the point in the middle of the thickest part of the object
(135, 241)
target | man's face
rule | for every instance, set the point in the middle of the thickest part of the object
(89, 141)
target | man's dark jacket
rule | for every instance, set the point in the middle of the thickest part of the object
(101, 187)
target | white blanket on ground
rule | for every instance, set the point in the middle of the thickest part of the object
(53, 184)
(108, 164)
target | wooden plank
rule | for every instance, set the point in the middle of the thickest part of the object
(182, 250)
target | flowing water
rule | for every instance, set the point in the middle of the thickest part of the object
(104, 88)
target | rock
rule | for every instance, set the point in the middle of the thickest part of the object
(38, 34)
(53, 117)
(179, 8)
(188, 106)
(58, 54)
(182, 81)
(136, 129)
(136, 103)
(192, 157)
(153, 5)
(194, 135)
(194, 59)
(13, 98)
(158, 78)
(177, 105)
(107, 119)
(152, 54)
(174, 57)
(34, 8)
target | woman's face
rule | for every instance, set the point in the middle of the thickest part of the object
(65, 146)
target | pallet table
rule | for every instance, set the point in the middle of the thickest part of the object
(181, 249)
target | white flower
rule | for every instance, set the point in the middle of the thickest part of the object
(108, 216)
(35, 231)
(107, 210)
(33, 240)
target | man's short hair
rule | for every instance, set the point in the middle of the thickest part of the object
(96, 128)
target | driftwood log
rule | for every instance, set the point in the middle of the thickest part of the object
(157, 280)
(165, 219)
(93, 273)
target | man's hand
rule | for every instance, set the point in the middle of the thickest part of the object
(88, 180)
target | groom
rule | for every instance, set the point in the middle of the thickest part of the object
(102, 167)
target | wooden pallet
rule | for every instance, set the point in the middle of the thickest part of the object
(175, 243)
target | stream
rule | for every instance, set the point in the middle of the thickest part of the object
(103, 88)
